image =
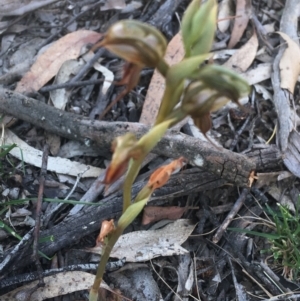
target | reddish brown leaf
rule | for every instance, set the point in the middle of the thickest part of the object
(48, 63)
(243, 11)
(114, 172)
(152, 213)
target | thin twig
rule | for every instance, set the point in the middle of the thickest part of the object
(261, 32)
(14, 21)
(238, 133)
(70, 84)
(237, 206)
(39, 212)
(76, 183)
(83, 199)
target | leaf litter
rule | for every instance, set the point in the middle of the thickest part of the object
(256, 69)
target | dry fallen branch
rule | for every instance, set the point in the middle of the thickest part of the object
(86, 221)
(232, 167)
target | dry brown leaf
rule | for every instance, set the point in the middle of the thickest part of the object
(48, 63)
(155, 213)
(54, 143)
(278, 194)
(223, 15)
(289, 64)
(241, 60)
(242, 12)
(174, 54)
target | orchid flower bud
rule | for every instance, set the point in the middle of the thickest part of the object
(199, 100)
(200, 105)
(198, 27)
(135, 42)
(212, 88)
(124, 148)
(226, 82)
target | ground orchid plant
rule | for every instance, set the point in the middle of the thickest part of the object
(191, 89)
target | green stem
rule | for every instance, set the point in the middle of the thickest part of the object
(170, 99)
(175, 79)
(104, 258)
(132, 173)
(177, 115)
(147, 143)
(126, 219)
(163, 67)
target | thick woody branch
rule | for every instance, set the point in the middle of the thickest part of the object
(232, 167)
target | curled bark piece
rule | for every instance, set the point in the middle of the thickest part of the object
(283, 98)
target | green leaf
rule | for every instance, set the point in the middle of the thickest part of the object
(131, 213)
(5, 149)
(265, 235)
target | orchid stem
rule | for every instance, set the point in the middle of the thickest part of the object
(104, 258)
(163, 67)
(131, 175)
